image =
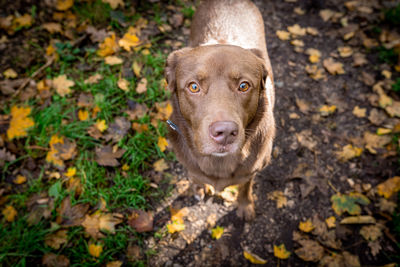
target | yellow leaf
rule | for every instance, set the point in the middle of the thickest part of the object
(108, 47)
(20, 122)
(253, 258)
(162, 143)
(62, 85)
(142, 86)
(23, 21)
(114, 3)
(114, 264)
(283, 35)
(359, 112)
(387, 74)
(113, 60)
(326, 110)
(50, 50)
(331, 222)
(382, 131)
(9, 213)
(136, 68)
(70, 172)
(95, 250)
(10, 73)
(177, 215)
(129, 40)
(95, 110)
(281, 252)
(43, 85)
(83, 115)
(312, 31)
(63, 5)
(101, 125)
(296, 30)
(125, 167)
(160, 165)
(175, 227)
(20, 179)
(123, 84)
(314, 55)
(52, 155)
(279, 197)
(349, 152)
(389, 187)
(297, 42)
(164, 110)
(345, 51)
(306, 226)
(52, 27)
(333, 67)
(217, 232)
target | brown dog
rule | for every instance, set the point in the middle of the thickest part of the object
(223, 98)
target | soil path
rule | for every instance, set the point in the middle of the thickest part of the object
(305, 165)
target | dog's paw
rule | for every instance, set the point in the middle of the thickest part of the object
(246, 212)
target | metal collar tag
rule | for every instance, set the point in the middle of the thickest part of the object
(173, 126)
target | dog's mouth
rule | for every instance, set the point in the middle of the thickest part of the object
(221, 151)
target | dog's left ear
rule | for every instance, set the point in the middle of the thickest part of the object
(258, 53)
(170, 68)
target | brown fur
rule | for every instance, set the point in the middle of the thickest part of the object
(227, 47)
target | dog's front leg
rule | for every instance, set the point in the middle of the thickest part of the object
(245, 201)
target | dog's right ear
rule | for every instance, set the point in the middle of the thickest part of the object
(170, 68)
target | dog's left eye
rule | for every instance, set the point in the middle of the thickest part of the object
(194, 87)
(244, 86)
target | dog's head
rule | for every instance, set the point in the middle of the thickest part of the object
(218, 90)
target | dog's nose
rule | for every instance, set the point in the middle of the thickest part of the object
(224, 132)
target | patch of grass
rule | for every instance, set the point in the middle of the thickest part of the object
(396, 86)
(392, 15)
(388, 56)
(96, 11)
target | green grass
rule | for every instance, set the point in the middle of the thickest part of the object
(388, 56)
(392, 15)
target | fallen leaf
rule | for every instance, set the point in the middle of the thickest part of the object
(177, 215)
(393, 109)
(129, 40)
(386, 206)
(315, 72)
(10, 73)
(114, 264)
(217, 232)
(95, 250)
(371, 232)
(95, 78)
(376, 117)
(52, 27)
(358, 220)
(326, 110)
(62, 85)
(164, 110)
(383, 131)
(345, 51)
(53, 260)
(20, 179)
(141, 221)
(9, 213)
(348, 152)
(142, 86)
(333, 67)
(310, 250)
(348, 203)
(123, 84)
(99, 221)
(175, 227)
(71, 216)
(387, 74)
(108, 47)
(389, 187)
(83, 115)
(351, 260)
(375, 247)
(85, 100)
(20, 122)
(306, 226)
(314, 55)
(25, 20)
(52, 155)
(71, 172)
(114, 3)
(279, 197)
(331, 222)
(162, 143)
(64, 5)
(283, 35)
(113, 60)
(118, 129)
(312, 31)
(326, 14)
(373, 141)
(297, 42)
(359, 112)
(305, 138)
(56, 239)
(5, 156)
(136, 67)
(253, 258)
(160, 165)
(101, 125)
(106, 156)
(296, 30)
(280, 252)
(359, 60)
(230, 193)
(66, 150)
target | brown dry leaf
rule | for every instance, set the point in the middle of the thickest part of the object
(141, 221)
(315, 72)
(85, 100)
(306, 226)
(99, 221)
(312, 31)
(345, 51)
(95, 78)
(310, 250)
(375, 247)
(52, 154)
(283, 35)
(142, 86)
(306, 140)
(71, 216)
(107, 156)
(376, 117)
(55, 240)
(389, 187)
(303, 105)
(137, 111)
(348, 152)
(66, 150)
(118, 129)
(53, 260)
(373, 141)
(94, 132)
(297, 42)
(371, 232)
(362, 219)
(62, 85)
(123, 84)
(20, 122)
(394, 109)
(114, 3)
(108, 47)
(359, 112)
(387, 74)
(333, 67)
(129, 40)
(326, 14)
(113, 60)
(64, 5)
(253, 258)
(387, 206)
(279, 197)
(359, 59)
(52, 27)
(296, 30)
(5, 156)
(164, 110)
(367, 78)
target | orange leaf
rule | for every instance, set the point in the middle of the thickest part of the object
(19, 122)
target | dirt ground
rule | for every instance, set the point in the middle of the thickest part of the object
(307, 177)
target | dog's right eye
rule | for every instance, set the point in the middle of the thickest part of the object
(194, 87)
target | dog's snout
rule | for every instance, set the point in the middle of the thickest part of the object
(224, 132)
